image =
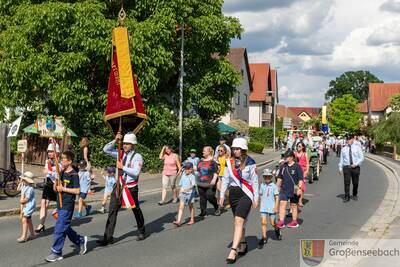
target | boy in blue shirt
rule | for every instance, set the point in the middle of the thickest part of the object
(68, 188)
(187, 192)
(269, 202)
(84, 185)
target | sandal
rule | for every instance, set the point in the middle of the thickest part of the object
(232, 261)
(177, 223)
(190, 222)
(22, 240)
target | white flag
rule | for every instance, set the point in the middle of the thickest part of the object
(15, 127)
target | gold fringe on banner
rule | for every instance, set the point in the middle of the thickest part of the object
(121, 43)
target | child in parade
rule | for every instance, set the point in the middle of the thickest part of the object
(84, 183)
(28, 205)
(187, 193)
(194, 159)
(269, 203)
(290, 181)
(109, 185)
(69, 188)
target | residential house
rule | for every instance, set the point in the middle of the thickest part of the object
(240, 103)
(379, 95)
(262, 98)
(298, 115)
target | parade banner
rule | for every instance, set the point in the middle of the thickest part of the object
(50, 126)
(125, 107)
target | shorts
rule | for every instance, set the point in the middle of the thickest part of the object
(48, 191)
(27, 216)
(285, 197)
(108, 190)
(187, 198)
(240, 202)
(272, 216)
(82, 195)
(168, 180)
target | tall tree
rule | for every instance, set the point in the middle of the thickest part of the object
(55, 59)
(343, 116)
(395, 102)
(351, 82)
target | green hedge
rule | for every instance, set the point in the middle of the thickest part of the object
(263, 136)
(196, 134)
(256, 147)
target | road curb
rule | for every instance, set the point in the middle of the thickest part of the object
(377, 225)
(15, 211)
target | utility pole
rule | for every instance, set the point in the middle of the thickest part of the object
(181, 91)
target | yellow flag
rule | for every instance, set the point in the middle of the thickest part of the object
(120, 41)
(323, 115)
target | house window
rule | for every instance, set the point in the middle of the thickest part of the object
(245, 101)
(238, 98)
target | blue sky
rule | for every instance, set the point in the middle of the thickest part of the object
(313, 41)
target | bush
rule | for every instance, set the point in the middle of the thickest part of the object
(196, 134)
(263, 136)
(256, 147)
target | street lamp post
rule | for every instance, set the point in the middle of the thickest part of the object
(274, 110)
(181, 90)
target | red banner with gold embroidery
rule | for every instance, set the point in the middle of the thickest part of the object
(124, 102)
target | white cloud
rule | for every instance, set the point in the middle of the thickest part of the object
(312, 42)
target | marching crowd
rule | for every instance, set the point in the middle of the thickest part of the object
(226, 177)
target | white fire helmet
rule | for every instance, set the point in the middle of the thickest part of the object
(130, 138)
(240, 142)
(50, 147)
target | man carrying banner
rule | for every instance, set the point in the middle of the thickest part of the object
(125, 193)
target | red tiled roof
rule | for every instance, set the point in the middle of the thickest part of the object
(259, 77)
(283, 111)
(311, 111)
(379, 95)
(273, 79)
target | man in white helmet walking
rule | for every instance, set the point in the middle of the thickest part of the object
(129, 167)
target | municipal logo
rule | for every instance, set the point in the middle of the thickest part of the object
(312, 251)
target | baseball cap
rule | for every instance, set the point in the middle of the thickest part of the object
(267, 172)
(188, 165)
(192, 150)
(289, 153)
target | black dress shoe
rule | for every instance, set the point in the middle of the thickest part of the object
(346, 199)
(104, 242)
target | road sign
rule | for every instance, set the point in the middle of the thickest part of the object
(287, 123)
(22, 146)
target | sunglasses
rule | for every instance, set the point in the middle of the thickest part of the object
(221, 150)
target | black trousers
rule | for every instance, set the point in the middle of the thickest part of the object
(207, 194)
(351, 175)
(115, 205)
(338, 150)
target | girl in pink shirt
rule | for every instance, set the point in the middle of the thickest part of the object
(172, 165)
(302, 160)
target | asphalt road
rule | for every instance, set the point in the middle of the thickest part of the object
(205, 243)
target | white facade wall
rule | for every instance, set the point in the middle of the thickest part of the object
(255, 114)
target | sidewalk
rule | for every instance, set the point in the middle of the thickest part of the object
(149, 183)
